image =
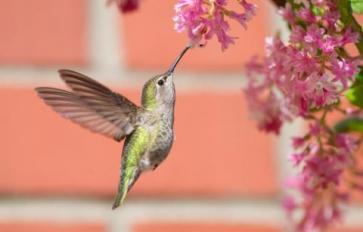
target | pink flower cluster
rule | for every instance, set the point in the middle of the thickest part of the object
(203, 19)
(323, 156)
(307, 73)
(302, 78)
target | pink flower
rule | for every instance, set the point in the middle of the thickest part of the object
(265, 106)
(287, 13)
(205, 19)
(294, 182)
(297, 35)
(298, 142)
(313, 34)
(318, 2)
(188, 16)
(219, 27)
(349, 36)
(289, 204)
(309, 64)
(125, 5)
(296, 158)
(296, 79)
(243, 18)
(306, 15)
(320, 91)
(344, 69)
(268, 116)
(328, 44)
(323, 159)
(302, 61)
(346, 143)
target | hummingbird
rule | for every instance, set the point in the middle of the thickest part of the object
(147, 129)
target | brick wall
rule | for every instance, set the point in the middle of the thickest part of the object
(221, 175)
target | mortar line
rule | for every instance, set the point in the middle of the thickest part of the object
(141, 211)
(105, 40)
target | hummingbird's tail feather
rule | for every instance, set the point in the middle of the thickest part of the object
(122, 192)
(125, 186)
(119, 200)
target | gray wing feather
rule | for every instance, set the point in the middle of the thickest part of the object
(92, 105)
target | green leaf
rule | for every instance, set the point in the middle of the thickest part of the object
(355, 95)
(357, 6)
(352, 124)
(358, 80)
(359, 76)
(345, 9)
(319, 11)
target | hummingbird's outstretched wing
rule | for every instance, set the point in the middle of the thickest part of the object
(92, 105)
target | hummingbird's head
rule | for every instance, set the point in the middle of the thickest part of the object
(160, 90)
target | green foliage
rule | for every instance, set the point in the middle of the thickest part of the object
(359, 77)
(355, 93)
(319, 11)
(357, 6)
(346, 11)
(351, 124)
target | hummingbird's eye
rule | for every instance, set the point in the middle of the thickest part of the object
(160, 82)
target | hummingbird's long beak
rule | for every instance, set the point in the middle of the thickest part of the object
(172, 67)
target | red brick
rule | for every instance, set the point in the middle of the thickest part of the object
(50, 227)
(43, 32)
(202, 228)
(217, 152)
(151, 42)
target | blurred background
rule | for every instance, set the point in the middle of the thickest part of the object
(221, 175)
